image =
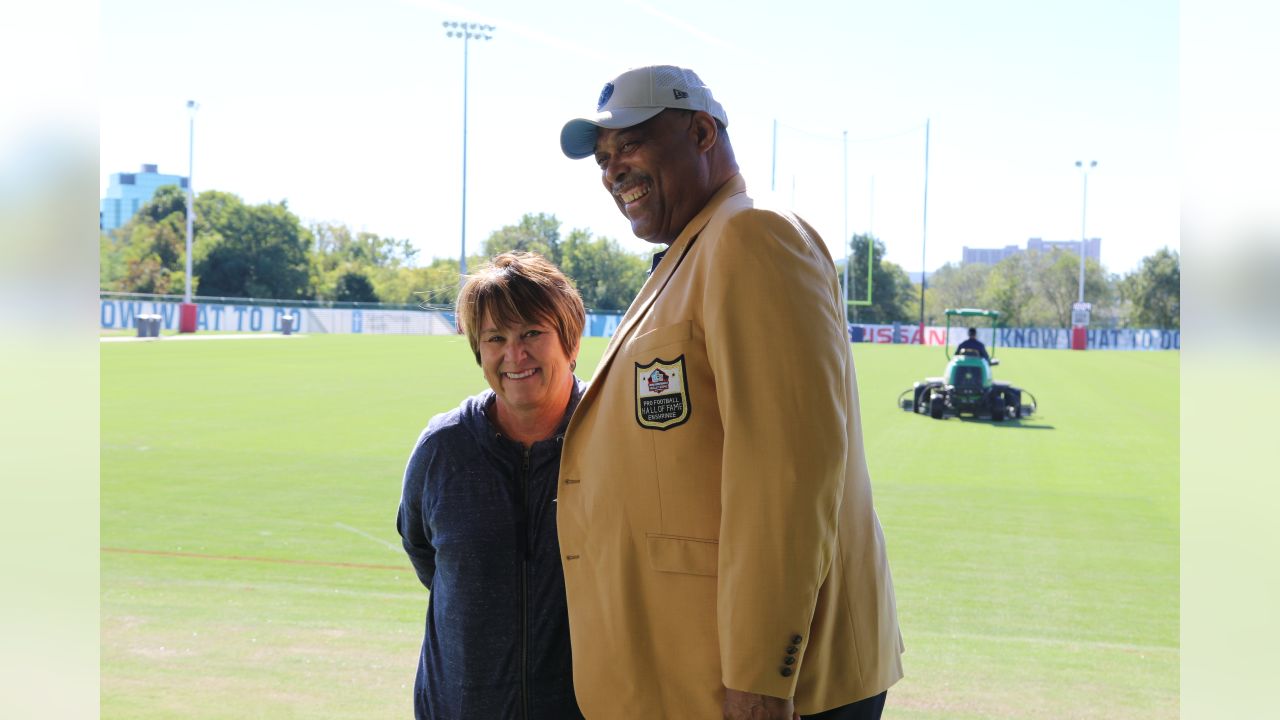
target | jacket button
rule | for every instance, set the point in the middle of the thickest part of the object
(788, 660)
(792, 650)
(795, 639)
(786, 672)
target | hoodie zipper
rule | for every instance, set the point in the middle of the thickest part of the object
(524, 589)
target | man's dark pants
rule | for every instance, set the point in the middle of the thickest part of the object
(868, 709)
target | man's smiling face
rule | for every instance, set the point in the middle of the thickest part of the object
(655, 173)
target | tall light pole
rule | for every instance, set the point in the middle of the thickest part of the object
(1084, 208)
(773, 171)
(192, 107)
(847, 259)
(188, 314)
(924, 230)
(466, 32)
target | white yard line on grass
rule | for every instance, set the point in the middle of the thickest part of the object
(167, 338)
(390, 546)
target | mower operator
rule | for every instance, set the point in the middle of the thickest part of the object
(973, 343)
(722, 556)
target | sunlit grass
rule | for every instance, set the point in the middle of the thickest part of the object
(251, 568)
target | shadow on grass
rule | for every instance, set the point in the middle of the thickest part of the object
(1011, 423)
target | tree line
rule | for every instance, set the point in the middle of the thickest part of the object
(265, 251)
(1029, 289)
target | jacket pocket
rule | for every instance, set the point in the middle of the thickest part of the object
(693, 556)
(658, 337)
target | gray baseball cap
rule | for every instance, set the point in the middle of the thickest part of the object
(635, 96)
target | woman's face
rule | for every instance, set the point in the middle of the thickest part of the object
(526, 366)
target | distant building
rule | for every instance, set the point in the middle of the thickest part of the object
(1092, 247)
(130, 191)
(991, 256)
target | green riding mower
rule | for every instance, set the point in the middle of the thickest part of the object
(968, 387)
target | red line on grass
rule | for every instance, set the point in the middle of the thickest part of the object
(286, 561)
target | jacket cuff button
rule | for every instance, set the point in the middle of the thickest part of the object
(786, 672)
(795, 639)
(789, 660)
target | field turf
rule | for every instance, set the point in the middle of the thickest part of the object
(250, 566)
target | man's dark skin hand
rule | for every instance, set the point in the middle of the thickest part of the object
(740, 705)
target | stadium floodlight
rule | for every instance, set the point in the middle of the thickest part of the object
(466, 32)
(1084, 207)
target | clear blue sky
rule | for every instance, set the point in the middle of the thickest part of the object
(352, 111)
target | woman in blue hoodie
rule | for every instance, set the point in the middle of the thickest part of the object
(477, 512)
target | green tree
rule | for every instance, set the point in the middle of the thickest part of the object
(1010, 289)
(1154, 291)
(354, 286)
(111, 266)
(435, 284)
(538, 233)
(168, 200)
(384, 261)
(148, 253)
(893, 296)
(1028, 289)
(250, 250)
(955, 286)
(607, 276)
(1058, 275)
(337, 244)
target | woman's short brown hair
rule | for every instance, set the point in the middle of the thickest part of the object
(518, 288)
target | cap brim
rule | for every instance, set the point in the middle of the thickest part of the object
(578, 137)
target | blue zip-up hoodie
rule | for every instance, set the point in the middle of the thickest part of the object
(477, 517)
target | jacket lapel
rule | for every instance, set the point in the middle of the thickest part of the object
(658, 280)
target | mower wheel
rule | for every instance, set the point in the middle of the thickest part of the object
(1012, 401)
(936, 406)
(997, 410)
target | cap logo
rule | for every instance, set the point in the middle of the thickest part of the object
(605, 94)
(680, 94)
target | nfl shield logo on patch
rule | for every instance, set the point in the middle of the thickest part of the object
(662, 397)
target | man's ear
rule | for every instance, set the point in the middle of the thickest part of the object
(706, 132)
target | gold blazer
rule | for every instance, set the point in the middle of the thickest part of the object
(714, 509)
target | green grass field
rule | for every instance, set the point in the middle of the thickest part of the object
(251, 568)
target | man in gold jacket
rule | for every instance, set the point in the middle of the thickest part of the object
(721, 554)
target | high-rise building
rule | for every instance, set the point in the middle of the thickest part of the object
(991, 256)
(1092, 247)
(130, 191)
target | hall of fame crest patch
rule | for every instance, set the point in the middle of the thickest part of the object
(662, 397)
